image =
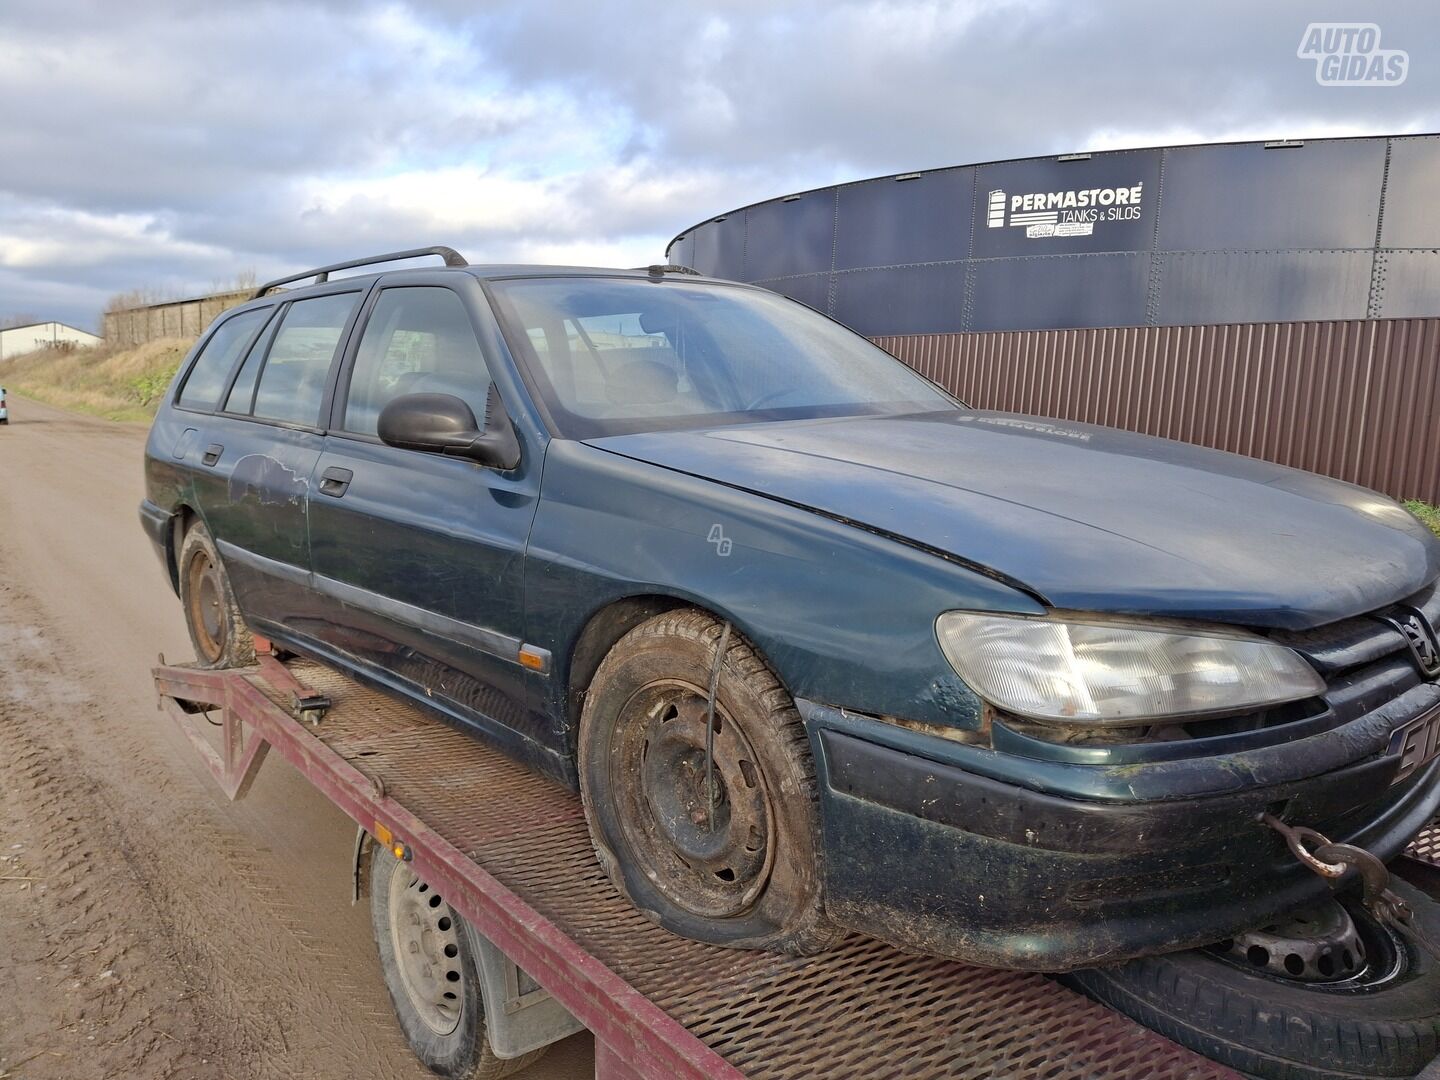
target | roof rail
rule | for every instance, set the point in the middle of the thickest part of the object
(668, 268)
(322, 273)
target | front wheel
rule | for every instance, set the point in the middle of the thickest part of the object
(728, 854)
(217, 629)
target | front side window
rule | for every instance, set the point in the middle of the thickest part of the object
(418, 340)
(616, 355)
(292, 382)
(212, 367)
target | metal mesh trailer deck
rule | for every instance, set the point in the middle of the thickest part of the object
(509, 850)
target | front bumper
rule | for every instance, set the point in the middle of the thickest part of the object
(926, 852)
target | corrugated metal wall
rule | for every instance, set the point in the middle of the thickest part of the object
(1355, 399)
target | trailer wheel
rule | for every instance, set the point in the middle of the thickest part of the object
(217, 629)
(430, 971)
(1382, 1021)
(743, 870)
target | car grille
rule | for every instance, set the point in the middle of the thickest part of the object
(1365, 661)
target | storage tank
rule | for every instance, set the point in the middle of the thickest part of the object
(1170, 236)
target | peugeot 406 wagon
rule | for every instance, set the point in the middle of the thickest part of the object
(822, 648)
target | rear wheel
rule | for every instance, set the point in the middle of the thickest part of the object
(217, 629)
(1324, 994)
(729, 856)
(430, 971)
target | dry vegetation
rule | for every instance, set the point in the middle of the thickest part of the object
(119, 384)
(113, 381)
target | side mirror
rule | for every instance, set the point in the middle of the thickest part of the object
(444, 424)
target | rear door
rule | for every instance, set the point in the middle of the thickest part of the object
(419, 557)
(197, 447)
(258, 453)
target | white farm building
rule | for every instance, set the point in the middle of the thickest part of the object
(15, 340)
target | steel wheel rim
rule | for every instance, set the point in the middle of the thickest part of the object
(425, 937)
(1383, 961)
(659, 775)
(207, 610)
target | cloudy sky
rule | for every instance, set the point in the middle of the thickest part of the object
(170, 146)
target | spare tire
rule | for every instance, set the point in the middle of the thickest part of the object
(1385, 1024)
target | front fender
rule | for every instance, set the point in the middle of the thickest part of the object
(846, 616)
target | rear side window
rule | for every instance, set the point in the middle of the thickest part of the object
(292, 383)
(212, 367)
(418, 340)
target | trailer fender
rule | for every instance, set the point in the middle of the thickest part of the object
(520, 1014)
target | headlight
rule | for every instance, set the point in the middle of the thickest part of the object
(1115, 673)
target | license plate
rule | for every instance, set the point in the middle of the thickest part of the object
(1416, 743)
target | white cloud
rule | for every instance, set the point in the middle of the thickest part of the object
(166, 143)
(62, 238)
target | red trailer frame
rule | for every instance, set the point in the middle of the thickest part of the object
(508, 850)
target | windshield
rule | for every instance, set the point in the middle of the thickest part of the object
(609, 356)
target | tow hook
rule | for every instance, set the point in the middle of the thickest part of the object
(1319, 854)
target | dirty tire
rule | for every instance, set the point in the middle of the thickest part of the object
(217, 630)
(1281, 1030)
(463, 1052)
(748, 873)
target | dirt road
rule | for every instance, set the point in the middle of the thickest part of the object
(149, 928)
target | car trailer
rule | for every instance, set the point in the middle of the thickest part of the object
(510, 852)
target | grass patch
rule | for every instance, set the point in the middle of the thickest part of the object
(1430, 515)
(119, 384)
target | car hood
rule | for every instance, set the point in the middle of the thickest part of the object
(1085, 517)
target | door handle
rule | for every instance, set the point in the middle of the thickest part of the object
(334, 481)
(212, 453)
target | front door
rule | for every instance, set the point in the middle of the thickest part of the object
(419, 558)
